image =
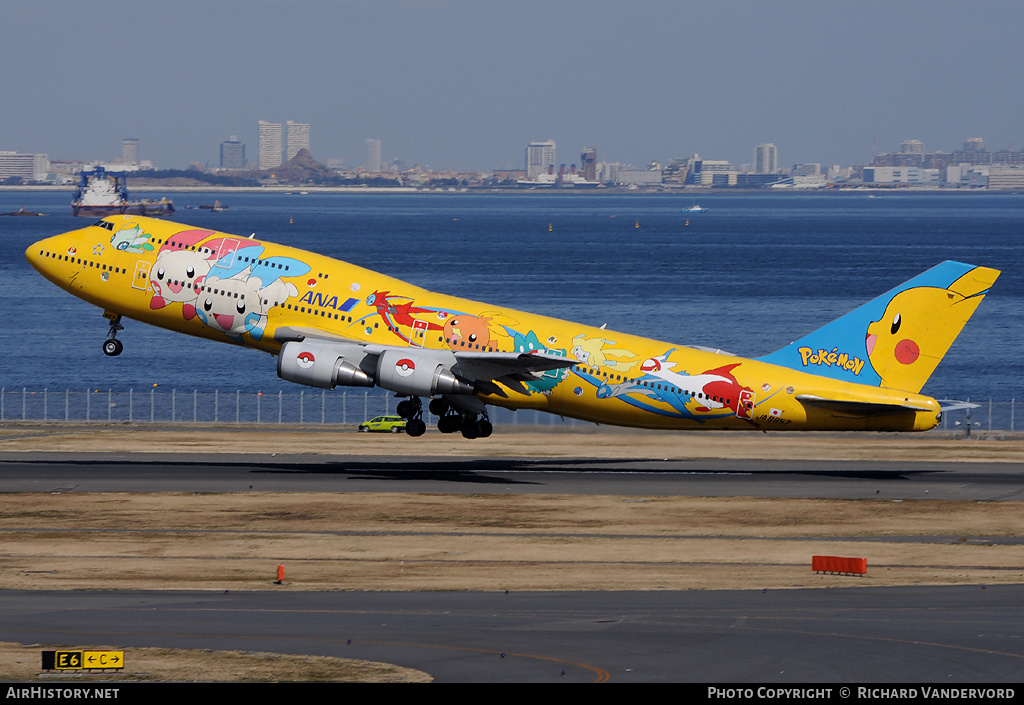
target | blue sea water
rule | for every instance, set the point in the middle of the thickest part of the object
(749, 275)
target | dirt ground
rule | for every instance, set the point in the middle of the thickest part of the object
(421, 541)
(986, 446)
(21, 662)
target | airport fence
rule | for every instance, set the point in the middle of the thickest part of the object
(341, 406)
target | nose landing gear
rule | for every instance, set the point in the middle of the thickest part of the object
(112, 346)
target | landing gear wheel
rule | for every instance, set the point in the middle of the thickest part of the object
(449, 424)
(485, 428)
(410, 408)
(470, 428)
(415, 428)
(439, 406)
(112, 346)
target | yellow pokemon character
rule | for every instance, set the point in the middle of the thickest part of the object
(918, 326)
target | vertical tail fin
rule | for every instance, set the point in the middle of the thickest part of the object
(898, 339)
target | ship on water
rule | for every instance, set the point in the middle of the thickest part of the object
(22, 211)
(102, 193)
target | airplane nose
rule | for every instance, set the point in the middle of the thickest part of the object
(39, 252)
(36, 251)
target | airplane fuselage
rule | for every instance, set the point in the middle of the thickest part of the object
(264, 295)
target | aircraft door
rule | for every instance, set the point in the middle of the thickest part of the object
(141, 278)
(226, 252)
(419, 334)
(746, 404)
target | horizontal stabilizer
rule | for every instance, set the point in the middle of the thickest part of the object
(954, 405)
(859, 408)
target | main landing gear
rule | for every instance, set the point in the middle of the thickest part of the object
(412, 410)
(450, 419)
(112, 346)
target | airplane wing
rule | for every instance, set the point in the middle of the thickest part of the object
(483, 369)
(858, 408)
(509, 368)
(288, 333)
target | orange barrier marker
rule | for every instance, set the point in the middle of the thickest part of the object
(839, 564)
(280, 575)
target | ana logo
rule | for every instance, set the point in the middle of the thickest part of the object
(651, 365)
(305, 360)
(405, 367)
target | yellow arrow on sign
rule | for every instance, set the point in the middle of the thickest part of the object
(103, 659)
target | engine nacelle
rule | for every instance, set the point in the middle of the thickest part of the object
(325, 364)
(419, 372)
(406, 371)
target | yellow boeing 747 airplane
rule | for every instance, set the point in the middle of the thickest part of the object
(332, 323)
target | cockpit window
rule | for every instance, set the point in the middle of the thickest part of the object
(104, 224)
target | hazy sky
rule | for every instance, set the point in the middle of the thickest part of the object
(467, 84)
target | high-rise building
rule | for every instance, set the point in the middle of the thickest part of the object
(766, 159)
(912, 147)
(31, 167)
(373, 156)
(974, 144)
(232, 153)
(298, 137)
(270, 145)
(588, 164)
(130, 151)
(540, 157)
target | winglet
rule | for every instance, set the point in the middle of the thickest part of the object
(898, 339)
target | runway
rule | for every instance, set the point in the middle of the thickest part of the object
(944, 636)
(842, 479)
(929, 634)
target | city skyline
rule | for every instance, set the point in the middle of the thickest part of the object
(825, 83)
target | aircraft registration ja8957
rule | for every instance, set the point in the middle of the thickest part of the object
(331, 323)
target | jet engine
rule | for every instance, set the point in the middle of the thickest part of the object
(422, 373)
(406, 371)
(326, 364)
